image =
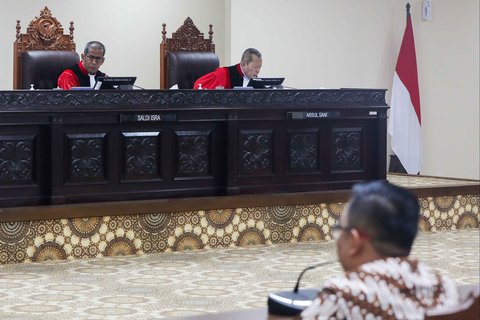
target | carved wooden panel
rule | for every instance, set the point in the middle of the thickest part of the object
(347, 153)
(188, 38)
(211, 143)
(86, 157)
(256, 151)
(188, 98)
(193, 153)
(303, 155)
(44, 33)
(16, 159)
(141, 151)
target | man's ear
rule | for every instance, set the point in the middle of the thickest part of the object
(356, 242)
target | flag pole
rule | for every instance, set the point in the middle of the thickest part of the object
(408, 9)
(405, 116)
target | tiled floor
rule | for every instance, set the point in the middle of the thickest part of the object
(158, 286)
(412, 181)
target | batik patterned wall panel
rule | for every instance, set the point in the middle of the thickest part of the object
(162, 232)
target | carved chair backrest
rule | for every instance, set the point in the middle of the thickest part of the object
(43, 33)
(191, 53)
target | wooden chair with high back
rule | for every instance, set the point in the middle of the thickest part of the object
(186, 56)
(41, 54)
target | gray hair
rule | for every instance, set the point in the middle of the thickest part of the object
(248, 54)
(94, 45)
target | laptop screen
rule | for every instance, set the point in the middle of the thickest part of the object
(121, 82)
(260, 83)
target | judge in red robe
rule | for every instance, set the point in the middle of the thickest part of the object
(238, 75)
(85, 73)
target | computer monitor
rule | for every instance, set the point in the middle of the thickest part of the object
(123, 83)
(266, 83)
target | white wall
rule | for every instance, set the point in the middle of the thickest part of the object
(316, 43)
(348, 43)
(313, 43)
(448, 59)
(131, 30)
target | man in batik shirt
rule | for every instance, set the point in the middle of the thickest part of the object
(374, 238)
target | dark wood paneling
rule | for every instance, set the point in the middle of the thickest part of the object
(24, 165)
(133, 145)
(140, 155)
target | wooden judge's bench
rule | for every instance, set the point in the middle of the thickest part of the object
(89, 146)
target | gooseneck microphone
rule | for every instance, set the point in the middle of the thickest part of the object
(305, 270)
(290, 303)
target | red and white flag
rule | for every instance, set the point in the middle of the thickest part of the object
(405, 119)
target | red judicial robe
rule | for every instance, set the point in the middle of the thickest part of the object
(77, 76)
(226, 77)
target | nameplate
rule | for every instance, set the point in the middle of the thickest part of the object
(147, 117)
(301, 115)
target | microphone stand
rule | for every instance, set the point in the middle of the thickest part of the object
(295, 290)
(291, 303)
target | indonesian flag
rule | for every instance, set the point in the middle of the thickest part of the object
(405, 119)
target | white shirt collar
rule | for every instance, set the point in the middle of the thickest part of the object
(92, 80)
(246, 80)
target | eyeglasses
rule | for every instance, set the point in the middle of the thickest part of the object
(336, 228)
(92, 58)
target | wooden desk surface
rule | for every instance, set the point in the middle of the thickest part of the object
(249, 314)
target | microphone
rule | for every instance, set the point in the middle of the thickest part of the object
(291, 303)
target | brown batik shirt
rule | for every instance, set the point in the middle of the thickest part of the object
(391, 288)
